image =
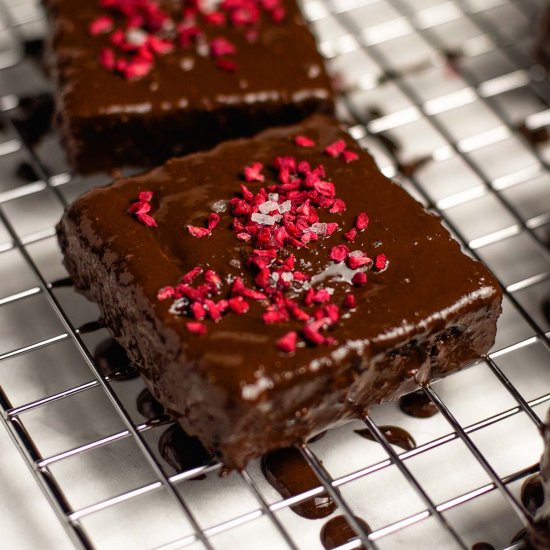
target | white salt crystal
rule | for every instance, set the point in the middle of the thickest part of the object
(287, 276)
(219, 207)
(273, 196)
(285, 207)
(262, 218)
(319, 228)
(136, 37)
(267, 207)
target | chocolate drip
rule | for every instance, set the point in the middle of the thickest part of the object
(33, 117)
(520, 535)
(150, 408)
(418, 405)
(25, 171)
(482, 546)
(535, 136)
(182, 451)
(60, 283)
(91, 326)
(532, 493)
(409, 168)
(337, 531)
(396, 436)
(288, 472)
(315, 438)
(113, 362)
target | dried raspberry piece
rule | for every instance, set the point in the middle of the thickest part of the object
(243, 236)
(304, 141)
(331, 228)
(335, 149)
(308, 298)
(239, 305)
(339, 253)
(189, 292)
(287, 343)
(325, 188)
(252, 294)
(221, 46)
(380, 262)
(198, 311)
(198, 232)
(165, 293)
(227, 65)
(211, 277)
(147, 220)
(349, 301)
(332, 311)
(338, 207)
(159, 46)
(196, 327)
(138, 68)
(358, 259)
(322, 296)
(139, 207)
(187, 34)
(214, 310)
(213, 221)
(216, 18)
(190, 275)
(107, 59)
(101, 25)
(359, 278)
(278, 15)
(300, 276)
(253, 171)
(311, 331)
(145, 196)
(362, 221)
(350, 235)
(349, 156)
(275, 316)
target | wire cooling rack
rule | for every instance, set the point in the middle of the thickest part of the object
(448, 98)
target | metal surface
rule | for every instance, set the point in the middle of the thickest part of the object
(447, 97)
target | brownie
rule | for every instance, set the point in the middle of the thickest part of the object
(277, 285)
(140, 81)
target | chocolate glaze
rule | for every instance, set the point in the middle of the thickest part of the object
(418, 404)
(337, 531)
(395, 435)
(182, 451)
(113, 361)
(108, 121)
(150, 408)
(289, 473)
(417, 320)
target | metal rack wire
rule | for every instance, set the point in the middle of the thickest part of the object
(459, 77)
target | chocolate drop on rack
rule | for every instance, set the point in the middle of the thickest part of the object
(337, 531)
(482, 546)
(318, 436)
(418, 405)
(33, 117)
(520, 535)
(395, 435)
(113, 362)
(532, 493)
(150, 408)
(183, 452)
(289, 473)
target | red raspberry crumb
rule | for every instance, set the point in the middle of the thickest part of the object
(227, 65)
(147, 220)
(335, 149)
(304, 141)
(325, 188)
(210, 276)
(322, 296)
(216, 18)
(339, 253)
(196, 327)
(287, 343)
(338, 207)
(198, 311)
(165, 293)
(350, 235)
(356, 261)
(198, 232)
(349, 301)
(253, 172)
(239, 305)
(190, 275)
(221, 46)
(278, 14)
(107, 59)
(381, 262)
(101, 25)
(139, 207)
(349, 156)
(359, 278)
(145, 196)
(213, 220)
(362, 221)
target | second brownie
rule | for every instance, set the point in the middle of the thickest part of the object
(141, 81)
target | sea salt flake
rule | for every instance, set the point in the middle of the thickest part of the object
(319, 228)
(219, 206)
(287, 276)
(285, 207)
(267, 207)
(273, 197)
(262, 218)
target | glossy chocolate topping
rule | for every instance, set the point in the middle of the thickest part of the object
(288, 472)
(337, 531)
(395, 435)
(431, 311)
(185, 103)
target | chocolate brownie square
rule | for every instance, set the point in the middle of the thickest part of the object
(277, 285)
(139, 81)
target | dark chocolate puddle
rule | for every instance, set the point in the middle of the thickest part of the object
(182, 451)
(25, 171)
(482, 546)
(113, 362)
(418, 405)
(337, 531)
(532, 493)
(150, 408)
(63, 283)
(289, 474)
(535, 136)
(395, 435)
